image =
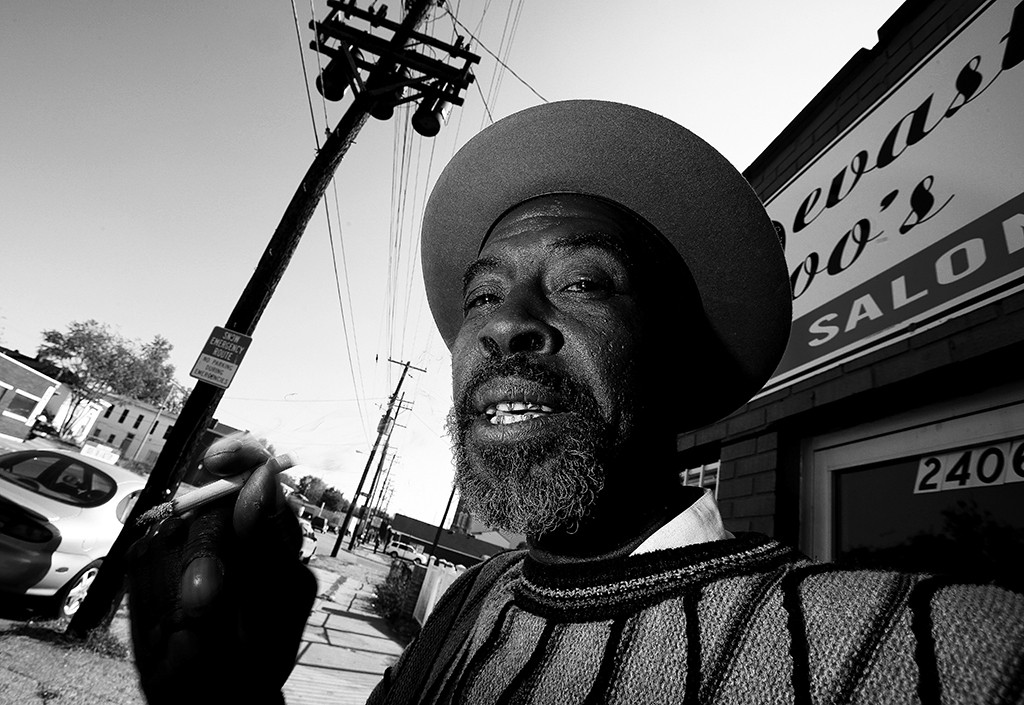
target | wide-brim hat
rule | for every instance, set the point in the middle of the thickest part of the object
(659, 170)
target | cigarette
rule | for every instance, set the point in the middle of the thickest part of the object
(207, 493)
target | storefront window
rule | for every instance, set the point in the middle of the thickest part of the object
(946, 513)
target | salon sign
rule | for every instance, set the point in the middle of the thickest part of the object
(915, 214)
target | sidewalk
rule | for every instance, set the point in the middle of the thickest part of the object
(346, 645)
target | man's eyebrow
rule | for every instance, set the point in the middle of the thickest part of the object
(476, 268)
(593, 239)
(576, 242)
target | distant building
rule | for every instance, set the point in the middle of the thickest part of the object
(83, 415)
(24, 393)
(112, 428)
(466, 523)
(119, 427)
(454, 546)
(135, 429)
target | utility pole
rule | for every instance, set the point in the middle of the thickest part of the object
(383, 428)
(376, 509)
(397, 75)
(360, 527)
(366, 513)
(377, 486)
(440, 527)
(368, 505)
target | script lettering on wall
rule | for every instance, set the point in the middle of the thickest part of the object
(915, 213)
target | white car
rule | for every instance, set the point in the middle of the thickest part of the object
(59, 515)
(398, 549)
(308, 541)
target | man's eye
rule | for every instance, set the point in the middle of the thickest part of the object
(477, 300)
(586, 286)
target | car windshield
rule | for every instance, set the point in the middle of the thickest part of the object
(58, 477)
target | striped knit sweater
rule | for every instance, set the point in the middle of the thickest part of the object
(745, 620)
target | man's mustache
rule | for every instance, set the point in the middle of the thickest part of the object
(527, 367)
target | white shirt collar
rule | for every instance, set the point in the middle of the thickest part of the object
(701, 522)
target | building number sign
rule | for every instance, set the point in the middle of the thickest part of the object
(983, 466)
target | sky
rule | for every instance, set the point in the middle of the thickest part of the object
(148, 151)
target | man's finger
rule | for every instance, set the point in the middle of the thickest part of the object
(261, 499)
(202, 580)
(235, 454)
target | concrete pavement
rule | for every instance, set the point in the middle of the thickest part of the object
(346, 645)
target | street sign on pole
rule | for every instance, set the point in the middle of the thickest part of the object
(220, 357)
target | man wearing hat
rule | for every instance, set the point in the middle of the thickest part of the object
(604, 280)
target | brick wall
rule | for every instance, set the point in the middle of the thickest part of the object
(747, 475)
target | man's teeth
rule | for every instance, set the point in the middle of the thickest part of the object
(509, 412)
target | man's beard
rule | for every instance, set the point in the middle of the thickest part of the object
(540, 485)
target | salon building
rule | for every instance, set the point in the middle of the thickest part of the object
(893, 429)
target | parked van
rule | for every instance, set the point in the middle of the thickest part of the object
(398, 549)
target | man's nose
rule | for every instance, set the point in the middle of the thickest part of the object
(520, 324)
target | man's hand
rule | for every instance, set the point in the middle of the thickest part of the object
(218, 598)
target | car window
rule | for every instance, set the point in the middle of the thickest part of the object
(63, 479)
(30, 468)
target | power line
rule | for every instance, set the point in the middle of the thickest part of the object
(327, 210)
(305, 83)
(319, 65)
(341, 306)
(493, 55)
(483, 100)
(507, 33)
(357, 385)
(415, 248)
(303, 401)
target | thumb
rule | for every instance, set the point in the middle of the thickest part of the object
(261, 498)
(235, 454)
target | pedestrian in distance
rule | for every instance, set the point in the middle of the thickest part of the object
(604, 280)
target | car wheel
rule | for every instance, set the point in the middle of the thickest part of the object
(70, 597)
(393, 554)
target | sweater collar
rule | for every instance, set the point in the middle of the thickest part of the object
(599, 589)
